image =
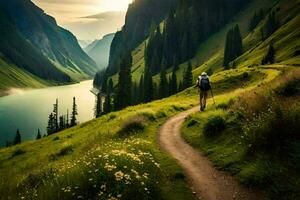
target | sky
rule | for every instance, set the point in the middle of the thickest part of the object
(87, 19)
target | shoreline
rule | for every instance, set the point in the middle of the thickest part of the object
(13, 90)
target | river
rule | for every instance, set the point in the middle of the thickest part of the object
(29, 110)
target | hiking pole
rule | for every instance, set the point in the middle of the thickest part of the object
(212, 94)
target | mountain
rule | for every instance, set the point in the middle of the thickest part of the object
(140, 16)
(90, 46)
(38, 45)
(84, 43)
(15, 49)
(249, 130)
(99, 50)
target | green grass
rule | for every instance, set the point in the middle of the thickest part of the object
(66, 162)
(253, 144)
(13, 77)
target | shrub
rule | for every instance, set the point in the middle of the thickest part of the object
(149, 115)
(192, 122)
(214, 126)
(133, 125)
(55, 139)
(245, 75)
(65, 151)
(271, 131)
(18, 152)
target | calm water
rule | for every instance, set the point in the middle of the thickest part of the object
(29, 110)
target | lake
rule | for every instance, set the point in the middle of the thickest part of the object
(29, 110)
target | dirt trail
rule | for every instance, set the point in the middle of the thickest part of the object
(205, 180)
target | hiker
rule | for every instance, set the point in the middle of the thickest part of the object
(204, 86)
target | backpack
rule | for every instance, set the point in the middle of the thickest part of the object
(204, 84)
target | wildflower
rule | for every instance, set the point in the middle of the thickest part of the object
(119, 175)
(103, 187)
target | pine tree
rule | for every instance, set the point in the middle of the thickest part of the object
(163, 85)
(188, 76)
(148, 86)
(270, 56)
(110, 86)
(62, 123)
(67, 120)
(123, 94)
(74, 113)
(180, 88)
(233, 46)
(51, 124)
(17, 139)
(55, 116)
(39, 135)
(141, 89)
(107, 104)
(98, 105)
(255, 20)
(271, 25)
(174, 83)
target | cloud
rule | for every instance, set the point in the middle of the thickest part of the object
(96, 26)
(106, 15)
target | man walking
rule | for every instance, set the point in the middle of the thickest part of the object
(203, 83)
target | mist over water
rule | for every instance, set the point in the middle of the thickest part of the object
(29, 110)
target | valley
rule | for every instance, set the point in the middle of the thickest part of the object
(148, 139)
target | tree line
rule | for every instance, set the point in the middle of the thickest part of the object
(128, 93)
(56, 123)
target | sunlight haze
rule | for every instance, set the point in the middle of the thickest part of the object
(77, 15)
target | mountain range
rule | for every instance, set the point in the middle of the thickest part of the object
(98, 50)
(33, 44)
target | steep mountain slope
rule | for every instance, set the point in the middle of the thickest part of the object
(53, 42)
(90, 46)
(141, 15)
(100, 51)
(15, 49)
(84, 43)
(119, 149)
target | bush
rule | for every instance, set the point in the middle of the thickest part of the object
(271, 131)
(214, 126)
(192, 122)
(133, 125)
(17, 153)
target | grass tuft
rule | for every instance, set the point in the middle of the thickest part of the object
(136, 124)
(214, 126)
(18, 152)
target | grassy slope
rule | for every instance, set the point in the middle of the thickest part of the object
(33, 159)
(102, 134)
(229, 151)
(14, 77)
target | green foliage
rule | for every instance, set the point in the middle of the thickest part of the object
(256, 19)
(163, 85)
(107, 104)
(188, 76)
(271, 25)
(214, 126)
(18, 152)
(136, 124)
(233, 47)
(39, 135)
(17, 139)
(123, 94)
(290, 85)
(270, 56)
(74, 113)
(98, 106)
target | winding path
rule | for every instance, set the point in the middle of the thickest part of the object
(205, 180)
